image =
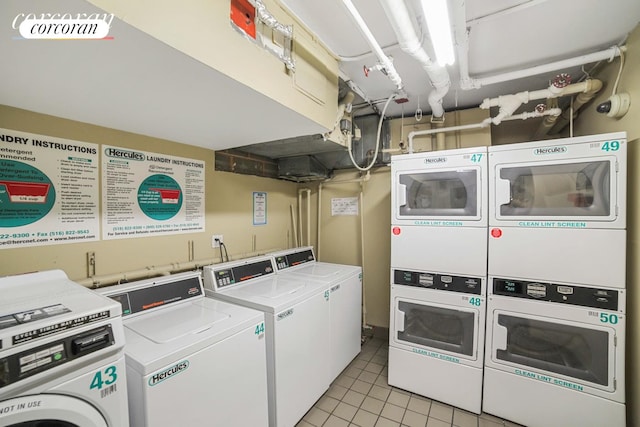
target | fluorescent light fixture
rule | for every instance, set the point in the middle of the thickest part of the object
(437, 15)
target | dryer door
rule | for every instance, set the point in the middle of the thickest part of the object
(49, 410)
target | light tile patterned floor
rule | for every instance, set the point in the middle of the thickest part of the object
(361, 397)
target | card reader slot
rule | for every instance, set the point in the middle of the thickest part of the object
(95, 340)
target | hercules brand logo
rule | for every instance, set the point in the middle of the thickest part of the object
(550, 150)
(435, 160)
(285, 314)
(168, 373)
(124, 154)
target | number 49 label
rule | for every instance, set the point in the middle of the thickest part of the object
(104, 378)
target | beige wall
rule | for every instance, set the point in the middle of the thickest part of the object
(228, 210)
(590, 122)
(340, 236)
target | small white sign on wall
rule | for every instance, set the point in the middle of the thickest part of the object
(259, 208)
(344, 206)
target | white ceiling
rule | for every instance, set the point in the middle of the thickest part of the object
(134, 83)
(138, 84)
(504, 35)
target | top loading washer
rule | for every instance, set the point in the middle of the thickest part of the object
(558, 210)
(345, 286)
(61, 354)
(439, 204)
(180, 343)
(297, 313)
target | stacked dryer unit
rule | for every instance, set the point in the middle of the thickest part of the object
(555, 341)
(438, 274)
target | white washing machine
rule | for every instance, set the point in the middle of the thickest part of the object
(558, 210)
(345, 286)
(297, 312)
(555, 354)
(61, 354)
(191, 360)
(439, 203)
(436, 336)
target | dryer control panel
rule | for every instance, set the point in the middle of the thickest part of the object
(606, 299)
(35, 360)
(444, 282)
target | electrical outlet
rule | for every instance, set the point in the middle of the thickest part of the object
(214, 243)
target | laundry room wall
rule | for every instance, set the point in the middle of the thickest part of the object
(340, 237)
(228, 211)
(590, 122)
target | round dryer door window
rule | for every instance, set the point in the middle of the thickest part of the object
(49, 410)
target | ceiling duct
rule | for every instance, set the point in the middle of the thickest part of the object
(302, 169)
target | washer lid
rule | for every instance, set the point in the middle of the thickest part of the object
(174, 323)
(56, 410)
(325, 271)
(272, 294)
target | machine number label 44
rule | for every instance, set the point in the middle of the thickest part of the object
(105, 381)
(260, 329)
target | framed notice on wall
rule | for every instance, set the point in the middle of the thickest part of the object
(150, 194)
(48, 190)
(259, 208)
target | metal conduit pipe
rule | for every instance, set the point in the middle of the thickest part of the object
(385, 62)
(410, 43)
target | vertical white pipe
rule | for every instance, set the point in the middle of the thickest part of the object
(308, 191)
(319, 220)
(300, 217)
(362, 246)
(295, 226)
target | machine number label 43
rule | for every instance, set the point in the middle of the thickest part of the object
(105, 381)
(260, 329)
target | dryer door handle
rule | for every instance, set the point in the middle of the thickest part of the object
(399, 327)
(499, 341)
(503, 192)
(402, 195)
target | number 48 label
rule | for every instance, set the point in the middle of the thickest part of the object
(104, 378)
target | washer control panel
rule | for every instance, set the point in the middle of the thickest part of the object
(296, 258)
(241, 273)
